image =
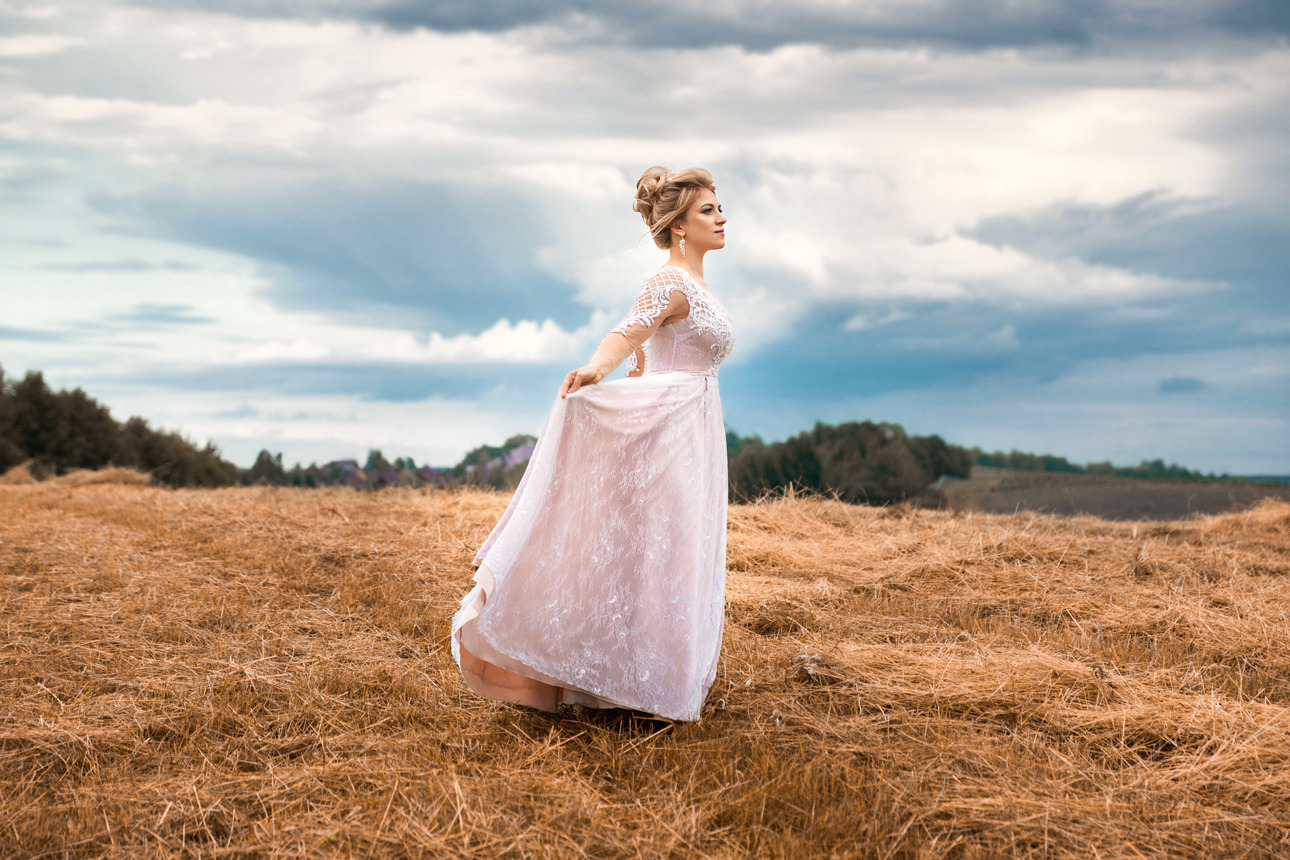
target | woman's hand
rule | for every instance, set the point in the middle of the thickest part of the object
(588, 375)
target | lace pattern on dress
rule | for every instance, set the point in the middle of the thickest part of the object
(653, 299)
(706, 313)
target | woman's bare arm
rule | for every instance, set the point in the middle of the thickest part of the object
(617, 345)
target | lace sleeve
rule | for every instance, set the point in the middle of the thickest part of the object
(646, 313)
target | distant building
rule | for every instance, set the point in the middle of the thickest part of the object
(518, 454)
(431, 476)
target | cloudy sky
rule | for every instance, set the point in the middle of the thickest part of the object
(319, 226)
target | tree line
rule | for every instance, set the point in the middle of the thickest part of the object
(1051, 463)
(58, 431)
(861, 462)
(879, 463)
(496, 466)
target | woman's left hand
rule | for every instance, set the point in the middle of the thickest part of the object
(588, 375)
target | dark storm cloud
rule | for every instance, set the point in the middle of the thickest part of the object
(1256, 17)
(763, 25)
(950, 343)
(1181, 385)
(396, 253)
(1246, 248)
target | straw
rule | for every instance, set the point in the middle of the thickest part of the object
(259, 672)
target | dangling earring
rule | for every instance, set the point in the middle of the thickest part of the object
(682, 246)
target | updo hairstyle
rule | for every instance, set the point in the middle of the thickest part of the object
(663, 197)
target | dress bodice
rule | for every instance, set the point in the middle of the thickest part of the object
(696, 344)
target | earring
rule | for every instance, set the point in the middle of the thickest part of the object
(682, 246)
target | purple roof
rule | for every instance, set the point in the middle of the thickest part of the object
(518, 454)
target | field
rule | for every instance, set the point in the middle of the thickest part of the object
(265, 673)
(1009, 490)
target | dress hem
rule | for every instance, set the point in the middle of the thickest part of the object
(466, 636)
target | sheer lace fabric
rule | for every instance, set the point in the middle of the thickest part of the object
(670, 347)
(605, 577)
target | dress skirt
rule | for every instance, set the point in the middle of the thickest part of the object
(605, 577)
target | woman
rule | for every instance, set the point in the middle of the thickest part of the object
(604, 582)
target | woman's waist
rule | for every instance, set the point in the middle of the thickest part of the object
(657, 372)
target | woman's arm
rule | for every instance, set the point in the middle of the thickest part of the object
(624, 340)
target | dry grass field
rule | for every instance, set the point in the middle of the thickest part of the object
(265, 673)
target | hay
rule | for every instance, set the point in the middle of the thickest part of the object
(261, 672)
(19, 474)
(110, 475)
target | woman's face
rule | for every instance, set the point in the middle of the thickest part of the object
(703, 224)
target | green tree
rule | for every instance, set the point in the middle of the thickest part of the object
(267, 469)
(11, 454)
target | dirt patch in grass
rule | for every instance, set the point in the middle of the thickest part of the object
(994, 490)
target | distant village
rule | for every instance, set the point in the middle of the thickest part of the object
(497, 466)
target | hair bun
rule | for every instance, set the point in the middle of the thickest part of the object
(648, 188)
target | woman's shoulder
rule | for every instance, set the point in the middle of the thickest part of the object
(670, 278)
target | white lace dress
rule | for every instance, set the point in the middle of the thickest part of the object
(606, 575)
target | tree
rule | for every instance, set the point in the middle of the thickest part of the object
(11, 454)
(859, 461)
(64, 430)
(267, 469)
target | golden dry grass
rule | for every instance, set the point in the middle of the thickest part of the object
(264, 673)
(109, 475)
(19, 474)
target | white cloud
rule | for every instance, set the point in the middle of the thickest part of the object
(35, 46)
(526, 341)
(296, 350)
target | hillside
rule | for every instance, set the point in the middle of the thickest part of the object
(265, 672)
(995, 490)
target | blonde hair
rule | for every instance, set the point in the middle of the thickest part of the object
(663, 197)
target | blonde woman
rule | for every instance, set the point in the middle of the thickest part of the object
(603, 584)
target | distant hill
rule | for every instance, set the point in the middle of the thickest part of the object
(996, 490)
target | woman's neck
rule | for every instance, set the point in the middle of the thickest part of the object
(692, 262)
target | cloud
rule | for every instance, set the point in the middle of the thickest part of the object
(1246, 248)
(860, 322)
(761, 25)
(11, 333)
(1255, 17)
(392, 206)
(1181, 385)
(434, 257)
(121, 266)
(35, 46)
(161, 315)
(531, 387)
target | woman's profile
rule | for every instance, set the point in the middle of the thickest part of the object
(603, 584)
